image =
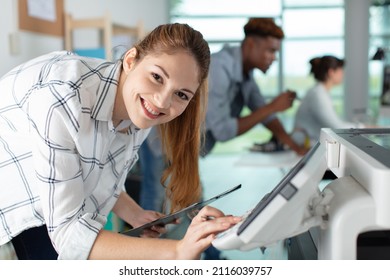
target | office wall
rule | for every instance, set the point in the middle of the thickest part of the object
(29, 44)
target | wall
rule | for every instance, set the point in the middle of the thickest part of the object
(29, 44)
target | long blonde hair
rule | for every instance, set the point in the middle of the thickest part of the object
(181, 137)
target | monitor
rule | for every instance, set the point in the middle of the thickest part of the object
(385, 97)
(285, 211)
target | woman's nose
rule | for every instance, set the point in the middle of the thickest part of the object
(163, 99)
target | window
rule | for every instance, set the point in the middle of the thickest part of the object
(221, 21)
(312, 28)
(379, 38)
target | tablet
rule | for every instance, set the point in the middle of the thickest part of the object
(189, 211)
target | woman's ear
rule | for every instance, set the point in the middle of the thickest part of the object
(129, 59)
(331, 73)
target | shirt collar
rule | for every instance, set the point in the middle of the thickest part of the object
(105, 98)
(106, 91)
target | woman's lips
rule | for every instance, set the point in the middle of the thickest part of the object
(150, 112)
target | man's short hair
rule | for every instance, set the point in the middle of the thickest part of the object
(263, 27)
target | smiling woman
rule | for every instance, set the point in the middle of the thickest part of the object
(165, 93)
(71, 128)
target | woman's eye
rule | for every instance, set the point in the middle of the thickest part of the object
(157, 77)
(182, 95)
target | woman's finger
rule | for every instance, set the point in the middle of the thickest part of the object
(206, 226)
(148, 233)
(208, 213)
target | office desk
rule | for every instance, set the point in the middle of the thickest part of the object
(283, 160)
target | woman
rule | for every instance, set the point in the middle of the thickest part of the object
(70, 129)
(316, 109)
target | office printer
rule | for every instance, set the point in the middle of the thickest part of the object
(349, 218)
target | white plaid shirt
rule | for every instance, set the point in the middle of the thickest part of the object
(62, 163)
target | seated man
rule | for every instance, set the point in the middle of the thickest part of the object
(232, 86)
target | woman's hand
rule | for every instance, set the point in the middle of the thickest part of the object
(146, 216)
(128, 210)
(202, 231)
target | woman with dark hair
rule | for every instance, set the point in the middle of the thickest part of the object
(316, 109)
(70, 130)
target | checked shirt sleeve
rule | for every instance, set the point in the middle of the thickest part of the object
(55, 120)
